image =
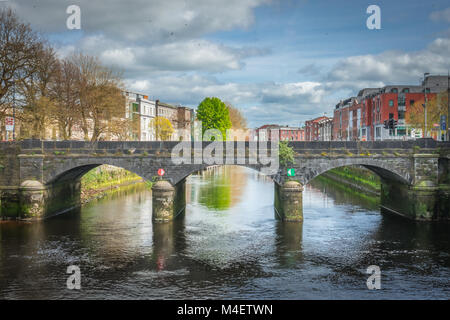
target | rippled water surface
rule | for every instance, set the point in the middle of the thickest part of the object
(228, 244)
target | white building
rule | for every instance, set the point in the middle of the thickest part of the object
(142, 111)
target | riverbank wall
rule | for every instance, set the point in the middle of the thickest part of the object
(357, 178)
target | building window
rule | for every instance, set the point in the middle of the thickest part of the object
(378, 132)
(391, 103)
(411, 102)
(406, 90)
(394, 90)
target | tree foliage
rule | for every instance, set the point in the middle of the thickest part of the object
(34, 93)
(65, 96)
(436, 106)
(214, 114)
(101, 100)
(237, 119)
(20, 51)
(286, 154)
(163, 128)
(57, 93)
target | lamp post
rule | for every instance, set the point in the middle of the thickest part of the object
(448, 106)
(425, 135)
(14, 109)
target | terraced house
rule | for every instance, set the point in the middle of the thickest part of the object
(141, 110)
(363, 117)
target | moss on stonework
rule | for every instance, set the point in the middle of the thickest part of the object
(10, 210)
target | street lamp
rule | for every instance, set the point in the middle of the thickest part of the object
(425, 104)
(448, 106)
(14, 110)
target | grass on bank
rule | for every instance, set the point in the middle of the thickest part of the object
(105, 177)
(359, 176)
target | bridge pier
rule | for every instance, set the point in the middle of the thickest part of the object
(288, 201)
(34, 201)
(168, 201)
(427, 198)
(9, 203)
(415, 202)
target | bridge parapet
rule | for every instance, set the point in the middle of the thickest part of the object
(58, 165)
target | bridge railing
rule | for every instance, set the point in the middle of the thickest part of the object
(39, 146)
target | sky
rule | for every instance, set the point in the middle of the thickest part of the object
(278, 61)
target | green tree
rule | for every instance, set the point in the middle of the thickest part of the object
(286, 154)
(214, 114)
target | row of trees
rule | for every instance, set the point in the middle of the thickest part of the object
(54, 97)
(74, 92)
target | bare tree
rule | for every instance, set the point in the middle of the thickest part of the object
(237, 119)
(65, 98)
(100, 93)
(34, 91)
(19, 50)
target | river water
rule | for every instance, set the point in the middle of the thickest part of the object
(228, 244)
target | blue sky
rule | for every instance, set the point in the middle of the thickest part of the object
(277, 61)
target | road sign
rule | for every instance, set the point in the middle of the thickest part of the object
(291, 172)
(161, 172)
(9, 123)
(443, 122)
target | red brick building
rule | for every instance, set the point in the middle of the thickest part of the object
(292, 134)
(284, 133)
(362, 117)
(312, 129)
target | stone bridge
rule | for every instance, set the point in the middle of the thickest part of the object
(39, 179)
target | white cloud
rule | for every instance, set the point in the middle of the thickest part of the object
(443, 15)
(288, 103)
(186, 55)
(118, 56)
(161, 47)
(146, 21)
(390, 67)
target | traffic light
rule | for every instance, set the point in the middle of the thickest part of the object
(390, 124)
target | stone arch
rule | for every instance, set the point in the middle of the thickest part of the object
(74, 169)
(384, 169)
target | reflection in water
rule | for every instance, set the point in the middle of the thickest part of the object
(168, 239)
(226, 245)
(289, 243)
(221, 188)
